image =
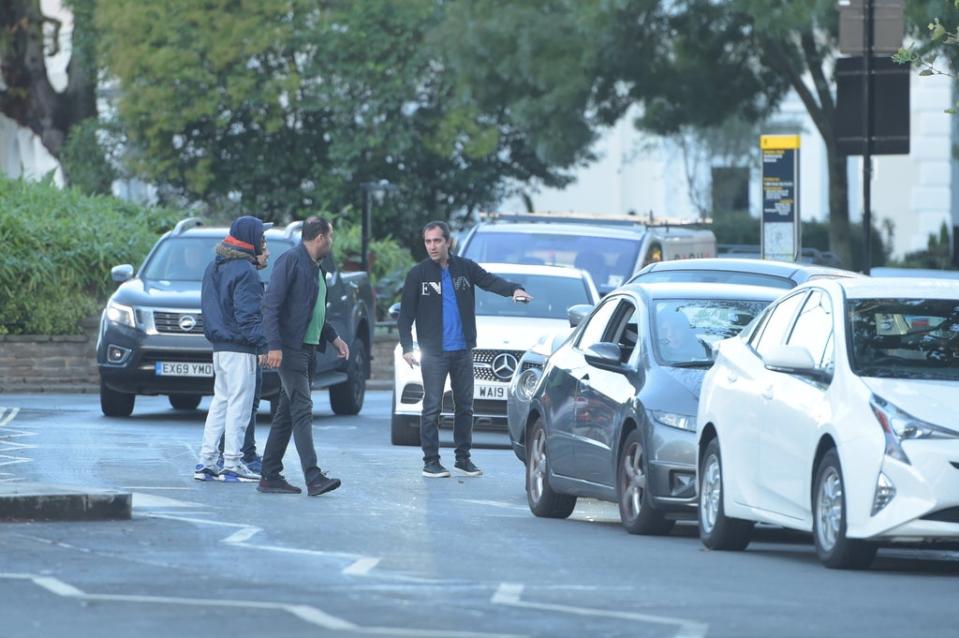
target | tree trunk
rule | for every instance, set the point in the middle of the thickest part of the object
(28, 98)
(839, 238)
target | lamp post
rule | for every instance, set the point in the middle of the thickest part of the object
(370, 190)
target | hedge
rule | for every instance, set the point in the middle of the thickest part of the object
(56, 251)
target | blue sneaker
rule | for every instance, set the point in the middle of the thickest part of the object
(205, 472)
(238, 474)
(256, 465)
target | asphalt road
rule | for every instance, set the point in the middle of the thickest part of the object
(392, 553)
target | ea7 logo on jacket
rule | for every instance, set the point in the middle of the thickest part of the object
(461, 283)
(431, 288)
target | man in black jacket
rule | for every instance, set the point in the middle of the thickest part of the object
(294, 320)
(439, 295)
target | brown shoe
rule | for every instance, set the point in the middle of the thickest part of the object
(277, 486)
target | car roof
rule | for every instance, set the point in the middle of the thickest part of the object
(222, 231)
(697, 290)
(612, 232)
(534, 269)
(785, 269)
(896, 287)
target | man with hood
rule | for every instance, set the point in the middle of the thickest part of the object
(233, 322)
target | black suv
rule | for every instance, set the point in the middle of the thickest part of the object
(151, 331)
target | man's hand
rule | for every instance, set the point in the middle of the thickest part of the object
(274, 358)
(261, 360)
(342, 350)
(410, 358)
(522, 296)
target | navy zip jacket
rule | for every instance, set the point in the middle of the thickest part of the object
(422, 301)
(289, 301)
(230, 301)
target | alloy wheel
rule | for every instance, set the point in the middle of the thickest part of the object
(634, 480)
(537, 469)
(710, 493)
(829, 509)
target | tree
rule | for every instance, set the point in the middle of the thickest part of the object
(281, 107)
(685, 63)
(940, 38)
(27, 37)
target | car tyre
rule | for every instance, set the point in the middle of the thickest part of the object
(347, 398)
(543, 500)
(835, 550)
(185, 401)
(636, 509)
(404, 429)
(115, 404)
(716, 530)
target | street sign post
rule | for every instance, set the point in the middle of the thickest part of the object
(780, 234)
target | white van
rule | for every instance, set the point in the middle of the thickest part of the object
(611, 249)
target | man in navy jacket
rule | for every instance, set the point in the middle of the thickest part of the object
(439, 295)
(294, 316)
(233, 322)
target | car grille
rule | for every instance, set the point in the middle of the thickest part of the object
(950, 515)
(150, 357)
(487, 362)
(412, 394)
(169, 322)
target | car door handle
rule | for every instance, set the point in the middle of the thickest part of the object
(768, 393)
(732, 377)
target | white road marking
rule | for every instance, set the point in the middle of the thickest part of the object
(241, 536)
(306, 613)
(155, 487)
(361, 567)
(500, 504)
(510, 593)
(10, 416)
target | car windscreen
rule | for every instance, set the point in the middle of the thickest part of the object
(905, 338)
(714, 276)
(186, 258)
(609, 260)
(685, 329)
(551, 297)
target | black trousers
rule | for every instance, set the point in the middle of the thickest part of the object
(294, 416)
(458, 365)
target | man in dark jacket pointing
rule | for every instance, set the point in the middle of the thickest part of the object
(439, 296)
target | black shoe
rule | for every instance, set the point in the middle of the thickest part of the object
(322, 485)
(466, 467)
(434, 469)
(277, 486)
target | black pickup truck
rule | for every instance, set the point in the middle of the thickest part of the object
(151, 332)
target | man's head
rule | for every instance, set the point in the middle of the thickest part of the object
(246, 234)
(263, 258)
(317, 234)
(436, 237)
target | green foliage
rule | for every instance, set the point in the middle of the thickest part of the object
(936, 256)
(59, 247)
(935, 32)
(291, 105)
(84, 159)
(736, 228)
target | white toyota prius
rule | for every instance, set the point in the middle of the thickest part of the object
(835, 413)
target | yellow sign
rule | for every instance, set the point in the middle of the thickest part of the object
(778, 142)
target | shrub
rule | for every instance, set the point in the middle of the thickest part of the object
(58, 248)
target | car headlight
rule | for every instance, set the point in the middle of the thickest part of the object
(898, 425)
(674, 420)
(526, 383)
(121, 314)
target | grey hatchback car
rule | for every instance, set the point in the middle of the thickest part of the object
(614, 415)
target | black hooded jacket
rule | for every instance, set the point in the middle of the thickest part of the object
(422, 301)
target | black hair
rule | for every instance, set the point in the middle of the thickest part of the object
(314, 227)
(443, 226)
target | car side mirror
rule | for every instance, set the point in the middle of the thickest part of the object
(605, 356)
(577, 313)
(794, 360)
(394, 311)
(121, 273)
